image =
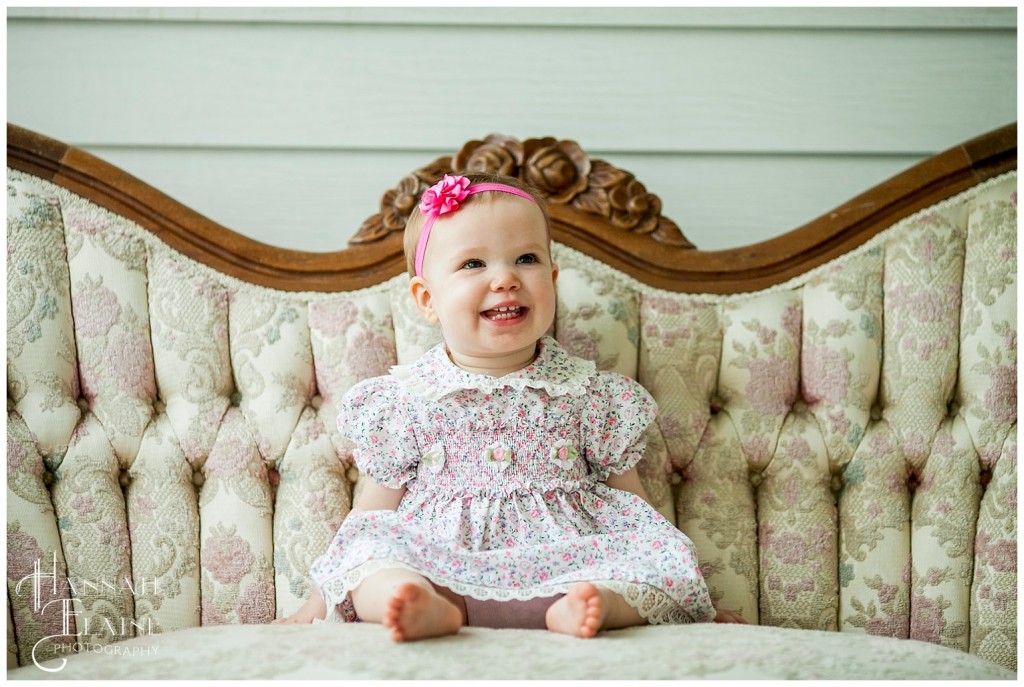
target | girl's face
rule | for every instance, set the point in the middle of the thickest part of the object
(489, 281)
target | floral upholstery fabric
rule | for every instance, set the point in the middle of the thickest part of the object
(841, 448)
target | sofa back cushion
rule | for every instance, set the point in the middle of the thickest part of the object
(841, 447)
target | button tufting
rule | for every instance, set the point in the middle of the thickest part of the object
(836, 484)
(316, 401)
(913, 482)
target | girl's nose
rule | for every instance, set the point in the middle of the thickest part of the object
(505, 279)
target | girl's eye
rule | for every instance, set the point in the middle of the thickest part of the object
(472, 264)
(527, 259)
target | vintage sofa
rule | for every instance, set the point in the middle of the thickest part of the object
(837, 428)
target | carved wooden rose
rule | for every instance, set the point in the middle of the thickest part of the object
(495, 154)
(559, 169)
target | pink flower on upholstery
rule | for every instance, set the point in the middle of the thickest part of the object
(927, 622)
(792, 321)
(22, 553)
(83, 504)
(255, 605)
(826, 376)
(757, 449)
(444, 196)
(789, 548)
(1000, 555)
(230, 458)
(129, 359)
(772, 388)
(667, 306)
(333, 319)
(17, 455)
(145, 505)
(887, 593)
(211, 615)
(579, 343)
(228, 559)
(96, 311)
(890, 625)
(114, 533)
(1001, 397)
(370, 355)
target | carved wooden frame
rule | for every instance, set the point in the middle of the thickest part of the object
(596, 208)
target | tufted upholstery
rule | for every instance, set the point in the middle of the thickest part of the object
(841, 448)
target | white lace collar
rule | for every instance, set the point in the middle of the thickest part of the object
(434, 376)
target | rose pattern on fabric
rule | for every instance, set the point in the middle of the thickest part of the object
(228, 558)
(498, 456)
(434, 458)
(564, 454)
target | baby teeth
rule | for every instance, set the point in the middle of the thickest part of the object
(504, 313)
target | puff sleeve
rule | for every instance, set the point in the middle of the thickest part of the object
(373, 416)
(617, 413)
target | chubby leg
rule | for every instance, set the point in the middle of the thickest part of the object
(522, 615)
(587, 609)
(314, 608)
(408, 605)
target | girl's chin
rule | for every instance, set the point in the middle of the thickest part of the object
(499, 358)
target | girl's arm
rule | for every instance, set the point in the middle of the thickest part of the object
(376, 497)
(628, 481)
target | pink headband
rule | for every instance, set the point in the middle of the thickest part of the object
(444, 197)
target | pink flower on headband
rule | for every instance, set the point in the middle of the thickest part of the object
(444, 196)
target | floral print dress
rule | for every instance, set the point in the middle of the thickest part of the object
(505, 488)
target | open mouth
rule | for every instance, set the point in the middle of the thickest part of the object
(505, 314)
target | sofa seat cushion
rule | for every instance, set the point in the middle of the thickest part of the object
(362, 651)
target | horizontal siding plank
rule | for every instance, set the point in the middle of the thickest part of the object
(703, 17)
(316, 201)
(675, 90)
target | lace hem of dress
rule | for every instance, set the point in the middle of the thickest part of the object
(653, 605)
(421, 380)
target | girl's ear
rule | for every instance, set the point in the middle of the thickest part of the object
(423, 299)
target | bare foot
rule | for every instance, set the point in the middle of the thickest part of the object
(579, 613)
(729, 617)
(415, 612)
(314, 608)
